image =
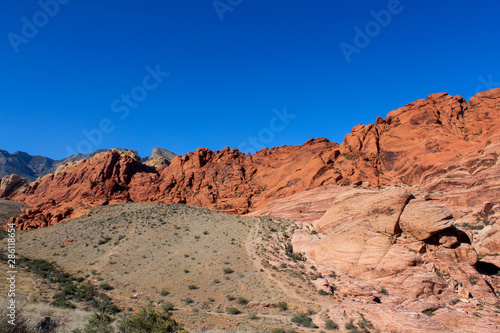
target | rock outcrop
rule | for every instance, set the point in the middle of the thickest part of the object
(437, 144)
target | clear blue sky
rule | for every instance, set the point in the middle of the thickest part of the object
(226, 76)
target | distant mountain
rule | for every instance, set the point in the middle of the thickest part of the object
(160, 152)
(32, 167)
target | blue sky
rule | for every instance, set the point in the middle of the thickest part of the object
(273, 71)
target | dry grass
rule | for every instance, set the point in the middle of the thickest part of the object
(143, 249)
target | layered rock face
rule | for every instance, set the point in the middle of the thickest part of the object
(389, 242)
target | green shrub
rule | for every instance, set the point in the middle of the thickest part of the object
(283, 306)
(230, 297)
(168, 306)
(252, 316)
(303, 320)
(227, 270)
(232, 310)
(149, 321)
(105, 286)
(242, 301)
(164, 293)
(192, 287)
(99, 323)
(104, 240)
(188, 300)
(331, 325)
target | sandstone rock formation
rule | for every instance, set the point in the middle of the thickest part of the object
(401, 246)
(437, 144)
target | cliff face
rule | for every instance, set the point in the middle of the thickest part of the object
(418, 144)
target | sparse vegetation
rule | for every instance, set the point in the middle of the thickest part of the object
(283, 306)
(99, 323)
(330, 325)
(103, 240)
(242, 301)
(232, 310)
(105, 286)
(168, 306)
(252, 316)
(303, 320)
(188, 300)
(227, 270)
(149, 320)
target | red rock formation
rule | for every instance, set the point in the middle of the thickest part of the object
(415, 145)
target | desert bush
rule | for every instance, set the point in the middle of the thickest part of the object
(188, 300)
(168, 306)
(283, 306)
(148, 320)
(252, 316)
(232, 310)
(192, 287)
(331, 325)
(242, 301)
(227, 270)
(99, 323)
(105, 286)
(164, 293)
(303, 320)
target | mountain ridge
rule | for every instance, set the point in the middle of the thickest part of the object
(412, 146)
(31, 167)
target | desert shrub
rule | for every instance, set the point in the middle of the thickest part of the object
(322, 293)
(105, 286)
(331, 325)
(283, 306)
(85, 293)
(187, 300)
(103, 240)
(192, 287)
(164, 293)
(168, 306)
(232, 310)
(227, 270)
(384, 291)
(230, 297)
(99, 323)
(148, 320)
(252, 316)
(242, 300)
(303, 320)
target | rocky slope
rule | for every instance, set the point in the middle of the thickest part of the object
(438, 143)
